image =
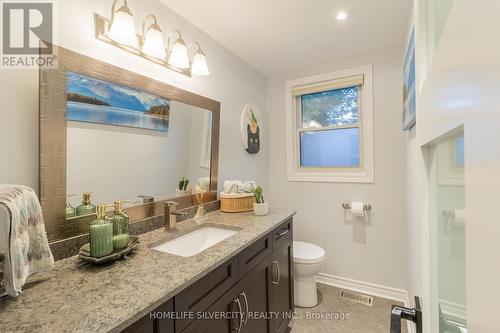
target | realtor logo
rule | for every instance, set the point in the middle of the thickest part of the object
(27, 35)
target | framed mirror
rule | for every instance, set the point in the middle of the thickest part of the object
(109, 134)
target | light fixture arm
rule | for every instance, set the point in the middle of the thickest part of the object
(122, 8)
(153, 25)
(198, 49)
(170, 35)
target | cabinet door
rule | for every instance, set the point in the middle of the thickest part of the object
(211, 320)
(243, 309)
(281, 287)
(253, 293)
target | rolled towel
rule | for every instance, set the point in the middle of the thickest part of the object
(231, 186)
(246, 187)
(28, 249)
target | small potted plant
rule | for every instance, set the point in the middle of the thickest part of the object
(182, 188)
(260, 207)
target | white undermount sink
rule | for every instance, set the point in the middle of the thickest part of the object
(195, 242)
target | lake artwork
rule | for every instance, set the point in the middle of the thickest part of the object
(95, 101)
(409, 86)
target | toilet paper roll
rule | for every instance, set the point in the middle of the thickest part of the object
(357, 209)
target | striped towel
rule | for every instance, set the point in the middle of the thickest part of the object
(28, 249)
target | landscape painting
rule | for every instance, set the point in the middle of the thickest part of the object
(409, 105)
(96, 101)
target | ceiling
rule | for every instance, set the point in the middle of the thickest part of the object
(277, 36)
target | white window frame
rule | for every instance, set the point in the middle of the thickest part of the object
(365, 173)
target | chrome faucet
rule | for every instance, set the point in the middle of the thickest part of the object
(171, 214)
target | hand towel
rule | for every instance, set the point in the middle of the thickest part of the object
(27, 247)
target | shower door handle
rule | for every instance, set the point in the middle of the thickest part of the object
(399, 312)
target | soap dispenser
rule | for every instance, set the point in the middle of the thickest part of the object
(101, 234)
(70, 210)
(86, 207)
(120, 226)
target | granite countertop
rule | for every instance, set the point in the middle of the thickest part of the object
(80, 297)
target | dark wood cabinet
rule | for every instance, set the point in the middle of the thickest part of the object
(281, 288)
(249, 293)
(155, 322)
(204, 292)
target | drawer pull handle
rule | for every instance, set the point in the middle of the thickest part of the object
(277, 282)
(246, 307)
(237, 301)
(282, 232)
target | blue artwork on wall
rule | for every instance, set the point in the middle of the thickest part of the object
(409, 85)
(96, 101)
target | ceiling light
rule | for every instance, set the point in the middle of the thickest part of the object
(122, 28)
(199, 65)
(179, 55)
(154, 45)
(341, 16)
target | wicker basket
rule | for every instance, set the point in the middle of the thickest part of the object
(236, 203)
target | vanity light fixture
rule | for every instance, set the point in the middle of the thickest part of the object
(178, 56)
(199, 65)
(150, 44)
(153, 45)
(122, 28)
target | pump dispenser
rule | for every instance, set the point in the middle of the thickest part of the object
(86, 207)
(101, 234)
(120, 226)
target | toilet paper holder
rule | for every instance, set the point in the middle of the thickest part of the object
(347, 205)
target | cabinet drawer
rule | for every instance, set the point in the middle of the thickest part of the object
(254, 254)
(203, 293)
(282, 234)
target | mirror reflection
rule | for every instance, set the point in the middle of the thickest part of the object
(128, 144)
(449, 235)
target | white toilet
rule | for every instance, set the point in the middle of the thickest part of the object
(307, 261)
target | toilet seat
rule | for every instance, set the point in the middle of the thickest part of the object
(307, 253)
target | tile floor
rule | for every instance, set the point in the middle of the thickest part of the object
(362, 318)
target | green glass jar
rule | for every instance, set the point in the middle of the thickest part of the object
(86, 207)
(101, 234)
(120, 226)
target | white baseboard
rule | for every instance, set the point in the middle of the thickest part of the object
(368, 288)
(372, 289)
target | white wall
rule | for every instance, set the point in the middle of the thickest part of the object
(374, 252)
(232, 82)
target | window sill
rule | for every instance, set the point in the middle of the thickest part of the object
(358, 177)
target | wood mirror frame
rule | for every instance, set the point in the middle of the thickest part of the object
(53, 127)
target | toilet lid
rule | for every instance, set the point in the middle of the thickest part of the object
(307, 253)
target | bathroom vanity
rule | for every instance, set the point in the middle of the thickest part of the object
(255, 282)
(253, 266)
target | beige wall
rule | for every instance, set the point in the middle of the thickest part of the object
(374, 252)
(232, 82)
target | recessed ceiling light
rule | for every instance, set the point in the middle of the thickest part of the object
(341, 16)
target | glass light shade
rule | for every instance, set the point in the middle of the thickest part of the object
(154, 45)
(122, 29)
(179, 57)
(200, 67)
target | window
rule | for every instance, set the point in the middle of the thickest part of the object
(329, 127)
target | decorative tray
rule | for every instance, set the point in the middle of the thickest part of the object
(84, 254)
